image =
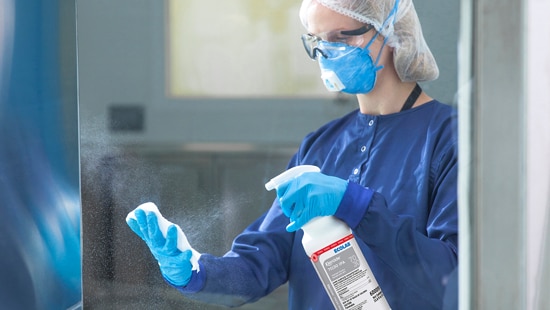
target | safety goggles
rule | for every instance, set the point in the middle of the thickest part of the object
(349, 37)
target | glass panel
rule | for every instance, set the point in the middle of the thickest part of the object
(202, 157)
(39, 157)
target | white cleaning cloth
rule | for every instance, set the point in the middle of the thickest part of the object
(163, 223)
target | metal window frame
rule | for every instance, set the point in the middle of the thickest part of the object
(492, 173)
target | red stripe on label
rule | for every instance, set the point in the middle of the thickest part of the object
(315, 256)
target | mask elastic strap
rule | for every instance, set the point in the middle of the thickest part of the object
(391, 16)
(377, 67)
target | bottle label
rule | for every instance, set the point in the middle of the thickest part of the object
(347, 277)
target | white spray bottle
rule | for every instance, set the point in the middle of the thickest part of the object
(336, 257)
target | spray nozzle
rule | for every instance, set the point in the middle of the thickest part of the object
(289, 175)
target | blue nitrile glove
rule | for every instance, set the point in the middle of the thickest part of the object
(309, 195)
(174, 264)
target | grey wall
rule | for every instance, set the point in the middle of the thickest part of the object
(121, 59)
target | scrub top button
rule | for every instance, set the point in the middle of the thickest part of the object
(355, 171)
(363, 149)
(371, 122)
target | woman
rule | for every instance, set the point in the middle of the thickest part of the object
(388, 170)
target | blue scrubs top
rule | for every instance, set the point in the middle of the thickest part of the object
(401, 204)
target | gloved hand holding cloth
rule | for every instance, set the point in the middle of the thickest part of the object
(176, 258)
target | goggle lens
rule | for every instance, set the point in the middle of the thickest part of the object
(311, 41)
